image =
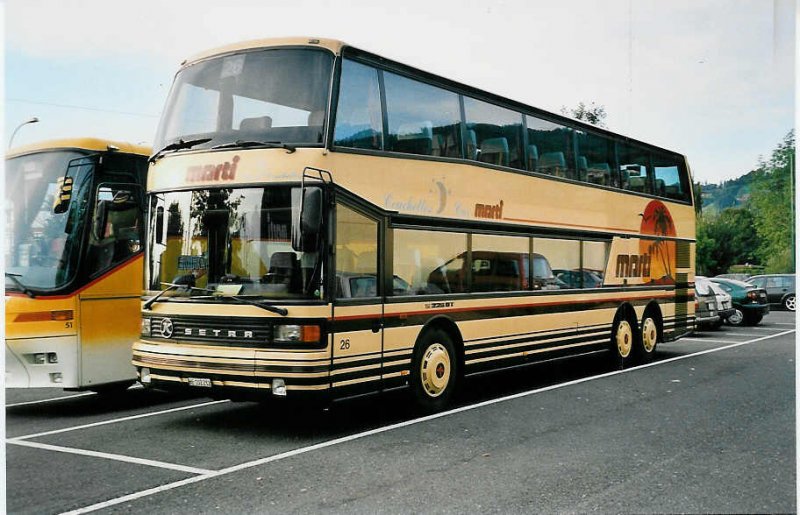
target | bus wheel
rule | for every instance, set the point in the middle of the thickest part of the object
(623, 340)
(649, 340)
(434, 370)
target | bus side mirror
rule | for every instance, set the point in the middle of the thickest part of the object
(100, 220)
(160, 224)
(63, 195)
(306, 218)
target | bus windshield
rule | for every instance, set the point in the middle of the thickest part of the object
(42, 247)
(267, 96)
(229, 241)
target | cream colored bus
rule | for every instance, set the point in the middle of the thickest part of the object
(325, 221)
(73, 263)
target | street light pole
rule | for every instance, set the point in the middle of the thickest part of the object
(26, 122)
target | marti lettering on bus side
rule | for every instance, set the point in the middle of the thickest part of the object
(213, 172)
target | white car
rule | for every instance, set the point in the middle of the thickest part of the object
(724, 302)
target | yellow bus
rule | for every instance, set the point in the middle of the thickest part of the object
(325, 221)
(73, 263)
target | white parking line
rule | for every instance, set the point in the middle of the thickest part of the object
(357, 436)
(711, 340)
(64, 397)
(114, 421)
(49, 400)
(109, 456)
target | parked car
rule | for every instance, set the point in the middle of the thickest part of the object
(724, 301)
(735, 277)
(780, 289)
(749, 303)
(705, 305)
(573, 278)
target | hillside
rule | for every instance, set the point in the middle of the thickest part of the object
(732, 193)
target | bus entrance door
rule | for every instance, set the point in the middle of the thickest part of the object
(357, 347)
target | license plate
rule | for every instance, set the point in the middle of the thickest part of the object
(200, 382)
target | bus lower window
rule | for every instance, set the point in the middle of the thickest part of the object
(356, 254)
(429, 262)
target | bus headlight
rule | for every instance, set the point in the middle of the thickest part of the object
(297, 333)
(145, 327)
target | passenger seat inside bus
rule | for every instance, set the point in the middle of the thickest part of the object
(415, 138)
(533, 157)
(599, 173)
(260, 123)
(284, 272)
(494, 151)
(553, 163)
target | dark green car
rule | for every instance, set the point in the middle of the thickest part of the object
(749, 303)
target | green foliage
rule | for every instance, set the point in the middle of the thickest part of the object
(724, 240)
(593, 113)
(772, 203)
(759, 230)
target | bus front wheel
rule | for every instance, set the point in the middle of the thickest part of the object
(434, 370)
(623, 340)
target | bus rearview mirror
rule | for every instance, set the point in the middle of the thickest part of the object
(306, 218)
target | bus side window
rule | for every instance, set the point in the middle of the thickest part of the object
(116, 227)
(358, 117)
(550, 148)
(422, 119)
(498, 133)
(356, 254)
(564, 257)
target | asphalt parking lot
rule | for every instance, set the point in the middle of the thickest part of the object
(708, 427)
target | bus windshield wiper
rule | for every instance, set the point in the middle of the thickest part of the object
(265, 144)
(170, 287)
(178, 145)
(244, 300)
(24, 289)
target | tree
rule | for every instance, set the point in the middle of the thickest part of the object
(593, 113)
(727, 239)
(771, 201)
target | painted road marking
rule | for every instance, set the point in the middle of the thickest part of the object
(392, 427)
(114, 421)
(53, 399)
(109, 456)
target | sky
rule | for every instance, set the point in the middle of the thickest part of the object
(712, 79)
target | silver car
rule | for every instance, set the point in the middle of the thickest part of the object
(705, 305)
(724, 303)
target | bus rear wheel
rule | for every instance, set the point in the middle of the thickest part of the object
(434, 370)
(649, 339)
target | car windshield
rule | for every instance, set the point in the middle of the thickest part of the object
(276, 95)
(229, 240)
(42, 247)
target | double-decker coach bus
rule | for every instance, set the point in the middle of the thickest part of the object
(73, 263)
(326, 221)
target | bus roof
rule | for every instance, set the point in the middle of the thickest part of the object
(333, 45)
(95, 144)
(339, 47)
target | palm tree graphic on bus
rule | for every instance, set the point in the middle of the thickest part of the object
(657, 220)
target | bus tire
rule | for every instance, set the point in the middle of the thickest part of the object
(434, 370)
(650, 337)
(624, 339)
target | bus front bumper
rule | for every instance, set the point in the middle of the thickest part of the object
(42, 362)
